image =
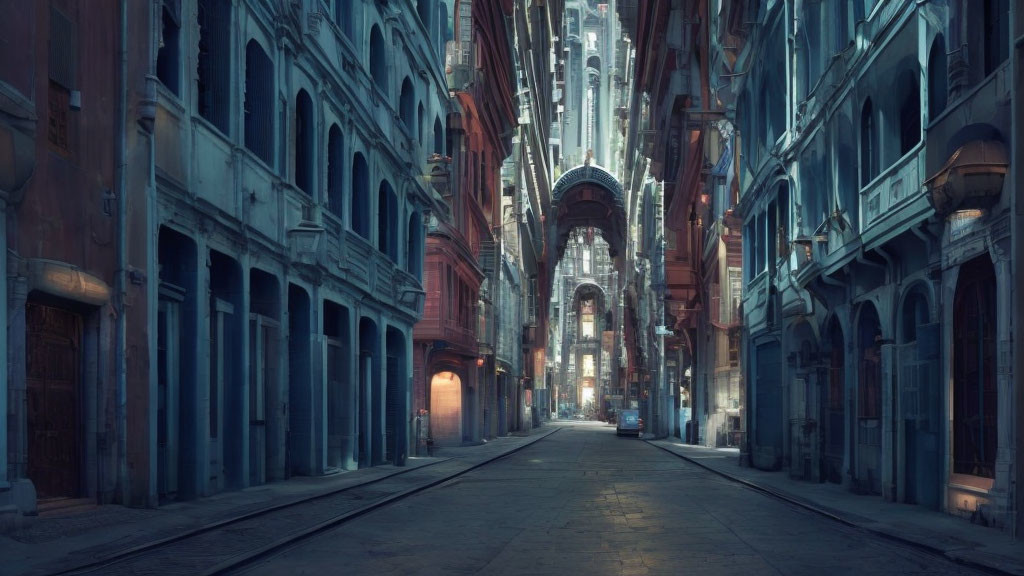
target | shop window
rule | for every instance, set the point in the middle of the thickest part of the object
(259, 102)
(214, 65)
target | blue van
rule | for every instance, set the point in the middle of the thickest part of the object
(629, 422)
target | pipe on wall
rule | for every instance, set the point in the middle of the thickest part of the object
(120, 185)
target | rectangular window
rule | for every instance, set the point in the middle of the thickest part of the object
(168, 65)
(588, 366)
(63, 53)
(214, 83)
(587, 326)
(62, 61)
(997, 33)
(57, 124)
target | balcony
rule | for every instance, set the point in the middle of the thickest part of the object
(893, 200)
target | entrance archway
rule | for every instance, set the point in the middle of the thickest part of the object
(446, 409)
(975, 395)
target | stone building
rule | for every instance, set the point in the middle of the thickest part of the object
(72, 116)
(875, 180)
(235, 293)
(455, 355)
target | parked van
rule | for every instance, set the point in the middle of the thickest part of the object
(629, 422)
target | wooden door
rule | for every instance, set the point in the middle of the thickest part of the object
(54, 404)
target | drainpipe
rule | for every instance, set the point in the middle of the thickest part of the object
(119, 280)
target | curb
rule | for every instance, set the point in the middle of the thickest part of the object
(822, 512)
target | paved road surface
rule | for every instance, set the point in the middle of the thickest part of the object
(586, 502)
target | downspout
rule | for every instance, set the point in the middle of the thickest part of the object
(120, 186)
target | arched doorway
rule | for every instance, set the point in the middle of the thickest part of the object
(974, 371)
(833, 404)
(803, 391)
(917, 359)
(446, 409)
(395, 403)
(869, 401)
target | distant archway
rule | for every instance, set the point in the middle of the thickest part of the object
(588, 196)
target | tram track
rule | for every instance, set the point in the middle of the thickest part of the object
(226, 545)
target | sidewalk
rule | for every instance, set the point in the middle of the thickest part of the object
(953, 537)
(62, 539)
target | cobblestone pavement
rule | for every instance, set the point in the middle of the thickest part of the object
(586, 502)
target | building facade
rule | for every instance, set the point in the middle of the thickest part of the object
(244, 309)
(875, 193)
(455, 342)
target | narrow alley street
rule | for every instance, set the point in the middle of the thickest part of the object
(583, 501)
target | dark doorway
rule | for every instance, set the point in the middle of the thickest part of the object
(54, 400)
(834, 413)
(869, 403)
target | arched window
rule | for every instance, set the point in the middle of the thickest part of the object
(420, 128)
(938, 89)
(334, 170)
(259, 102)
(406, 105)
(344, 13)
(360, 212)
(414, 258)
(910, 113)
(438, 136)
(423, 9)
(304, 142)
(378, 59)
(443, 29)
(975, 396)
(387, 213)
(868, 144)
(214, 66)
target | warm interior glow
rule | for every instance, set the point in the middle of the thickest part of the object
(446, 408)
(588, 366)
(588, 395)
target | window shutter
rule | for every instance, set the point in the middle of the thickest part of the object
(63, 53)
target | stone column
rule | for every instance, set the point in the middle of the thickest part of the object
(4, 483)
(1001, 491)
(22, 490)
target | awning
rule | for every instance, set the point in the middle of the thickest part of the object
(971, 178)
